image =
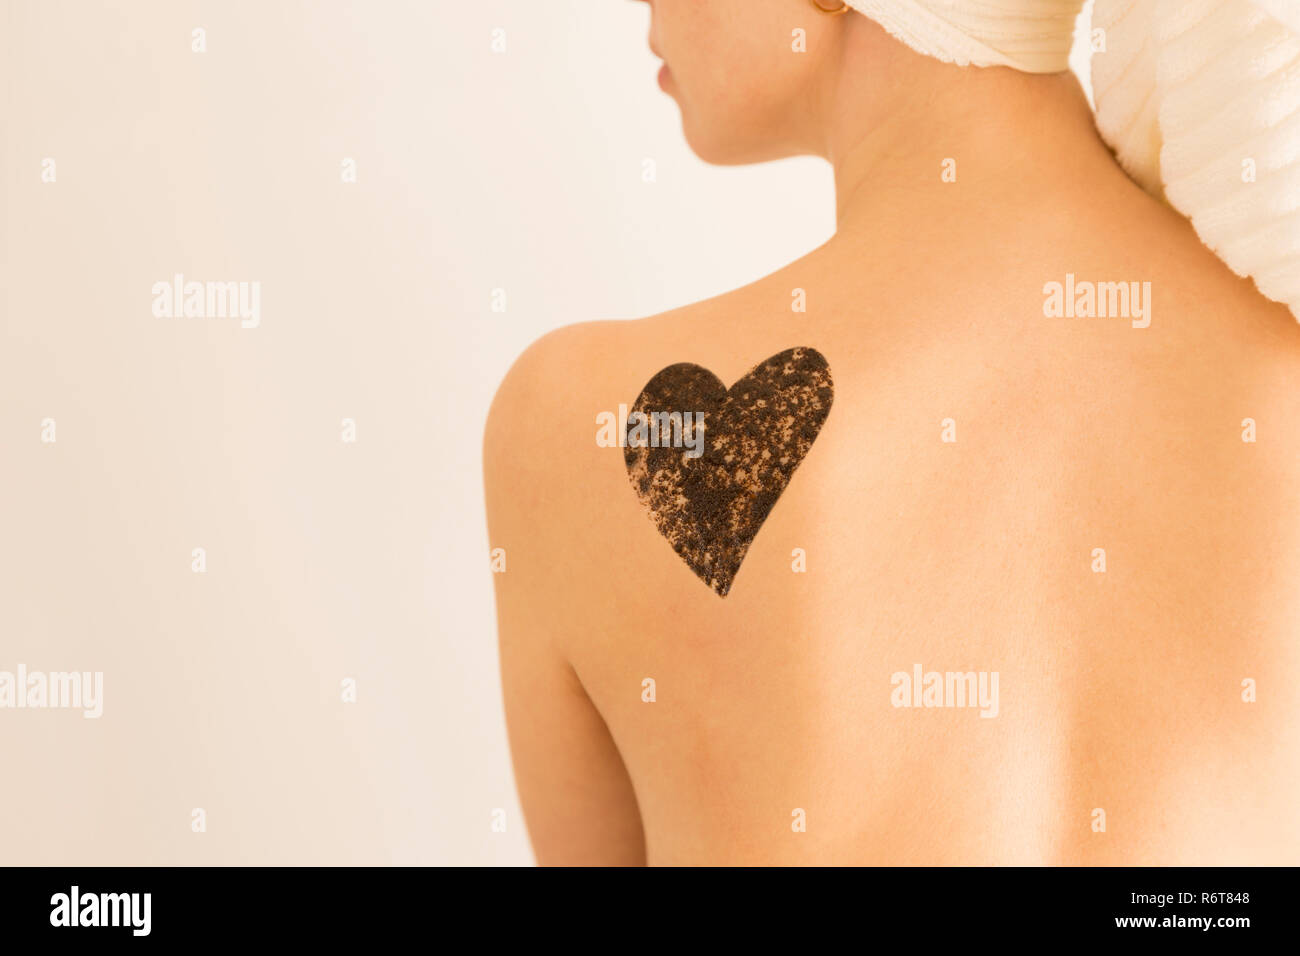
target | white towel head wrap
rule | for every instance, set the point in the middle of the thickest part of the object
(1199, 99)
(1030, 35)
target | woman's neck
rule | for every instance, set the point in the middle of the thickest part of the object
(938, 141)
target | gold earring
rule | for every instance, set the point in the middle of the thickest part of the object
(833, 11)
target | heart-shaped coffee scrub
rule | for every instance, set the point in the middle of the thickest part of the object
(710, 481)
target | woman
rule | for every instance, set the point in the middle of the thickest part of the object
(1029, 597)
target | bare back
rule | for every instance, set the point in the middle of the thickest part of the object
(1088, 523)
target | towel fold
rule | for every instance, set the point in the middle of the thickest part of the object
(1200, 100)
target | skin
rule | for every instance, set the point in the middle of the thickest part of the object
(1119, 691)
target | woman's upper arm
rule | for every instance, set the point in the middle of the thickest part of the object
(576, 794)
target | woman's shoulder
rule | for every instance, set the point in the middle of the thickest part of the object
(543, 453)
(591, 365)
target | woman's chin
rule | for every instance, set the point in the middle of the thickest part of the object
(719, 150)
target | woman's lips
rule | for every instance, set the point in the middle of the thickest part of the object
(664, 75)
